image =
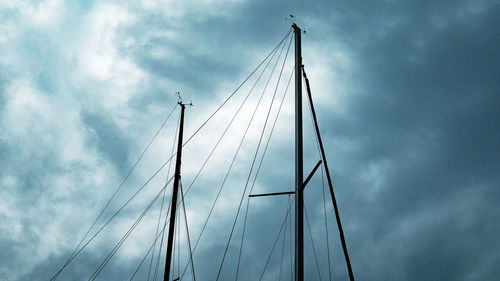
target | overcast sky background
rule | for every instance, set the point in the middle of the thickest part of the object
(407, 95)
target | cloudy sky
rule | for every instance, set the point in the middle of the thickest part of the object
(407, 95)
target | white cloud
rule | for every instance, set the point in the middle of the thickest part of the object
(48, 142)
(99, 60)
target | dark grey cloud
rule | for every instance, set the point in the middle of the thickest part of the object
(425, 122)
(112, 143)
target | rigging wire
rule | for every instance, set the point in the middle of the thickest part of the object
(257, 172)
(271, 54)
(151, 247)
(233, 160)
(188, 238)
(242, 83)
(326, 224)
(312, 242)
(283, 246)
(158, 235)
(324, 212)
(220, 139)
(127, 234)
(231, 122)
(276, 240)
(253, 162)
(167, 219)
(330, 185)
(174, 247)
(70, 258)
(110, 219)
(147, 253)
(177, 249)
(178, 242)
(324, 198)
(154, 242)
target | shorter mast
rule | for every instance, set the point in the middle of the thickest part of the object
(177, 178)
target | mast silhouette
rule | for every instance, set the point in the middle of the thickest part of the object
(177, 178)
(299, 163)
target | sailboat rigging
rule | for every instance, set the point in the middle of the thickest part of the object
(173, 212)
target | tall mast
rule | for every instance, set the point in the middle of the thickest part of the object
(299, 198)
(177, 178)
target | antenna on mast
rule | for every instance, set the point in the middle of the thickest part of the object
(179, 99)
(290, 18)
